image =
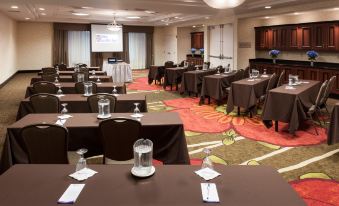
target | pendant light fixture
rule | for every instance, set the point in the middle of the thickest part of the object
(114, 26)
(223, 4)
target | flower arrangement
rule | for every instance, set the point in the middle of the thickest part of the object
(312, 55)
(202, 51)
(193, 50)
(274, 53)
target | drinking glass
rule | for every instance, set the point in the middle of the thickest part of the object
(93, 72)
(265, 72)
(115, 91)
(88, 87)
(207, 161)
(218, 70)
(81, 164)
(98, 79)
(64, 109)
(59, 92)
(56, 80)
(143, 154)
(136, 110)
(81, 77)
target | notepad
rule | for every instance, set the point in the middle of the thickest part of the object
(83, 174)
(61, 122)
(209, 192)
(207, 173)
(71, 194)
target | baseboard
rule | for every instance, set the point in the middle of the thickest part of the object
(28, 71)
(7, 80)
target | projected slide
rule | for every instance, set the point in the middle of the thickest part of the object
(104, 40)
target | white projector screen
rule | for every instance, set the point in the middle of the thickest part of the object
(104, 40)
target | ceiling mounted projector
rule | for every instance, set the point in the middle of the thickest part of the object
(223, 4)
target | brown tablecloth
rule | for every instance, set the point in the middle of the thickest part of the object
(77, 103)
(171, 185)
(192, 80)
(155, 73)
(68, 88)
(70, 73)
(72, 69)
(288, 105)
(214, 85)
(165, 129)
(245, 93)
(333, 130)
(174, 75)
(66, 78)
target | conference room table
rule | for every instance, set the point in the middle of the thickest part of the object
(77, 103)
(178, 185)
(174, 76)
(67, 78)
(333, 130)
(72, 69)
(290, 105)
(155, 73)
(192, 80)
(164, 129)
(69, 88)
(70, 73)
(246, 92)
(214, 86)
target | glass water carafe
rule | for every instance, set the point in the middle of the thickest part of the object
(88, 88)
(81, 77)
(143, 156)
(104, 108)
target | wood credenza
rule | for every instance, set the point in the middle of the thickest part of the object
(196, 59)
(321, 71)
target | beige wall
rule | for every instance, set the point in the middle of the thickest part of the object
(34, 45)
(165, 44)
(246, 33)
(8, 48)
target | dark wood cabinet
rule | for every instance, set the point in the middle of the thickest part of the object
(197, 40)
(321, 36)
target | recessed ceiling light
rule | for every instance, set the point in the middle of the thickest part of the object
(14, 7)
(190, 1)
(268, 7)
(133, 17)
(267, 17)
(207, 17)
(203, 25)
(27, 18)
(296, 13)
(41, 9)
(176, 17)
(162, 20)
(167, 24)
(193, 26)
(43, 14)
(150, 12)
(86, 7)
(335, 9)
(79, 14)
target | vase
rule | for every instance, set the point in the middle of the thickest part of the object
(312, 63)
(192, 54)
(274, 61)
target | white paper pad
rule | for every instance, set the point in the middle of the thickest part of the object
(71, 194)
(65, 116)
(60, 95)
(207, 173)
(289, 87)
(137, 115)
(83, 174)
(61, 122)
(209, 192)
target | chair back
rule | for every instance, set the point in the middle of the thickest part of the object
(61, 66)
(321, 93)
(45, 103)
(45, 143)
(48, 70)
(239, 75)
(182, 64)
(329, 87)
(118, 137)
(93, 101)
(281, 79)
(246, 72)
(75, 76)
(79, 87)
(49, 77)
(169, 64)
(44, 87)
(271, 83)
(84, 69)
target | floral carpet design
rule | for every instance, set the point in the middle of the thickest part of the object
(304, 160)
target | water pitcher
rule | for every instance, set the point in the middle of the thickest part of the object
(104, 108)
(81, 77)
(143, 156)
(88, 88)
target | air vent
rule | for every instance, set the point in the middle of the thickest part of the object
(137, 9)
(14, 11)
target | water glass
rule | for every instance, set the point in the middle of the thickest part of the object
(98, 79)
(136, 110)
(88, 87)
(143, 156)
(81, 164)
(104, 107)
(207, 162)
(64, 109)
(56, 80)
(264, 72)
(59, 92)
(93, 72)
(115, 91)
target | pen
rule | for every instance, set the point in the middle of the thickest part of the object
(208, 191)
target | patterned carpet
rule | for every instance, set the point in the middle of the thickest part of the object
(306, 161)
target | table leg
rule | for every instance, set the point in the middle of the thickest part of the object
(251, 114)
(276, 126)
(238, 111)
(171, 86)
(209, 100)
(176, 84)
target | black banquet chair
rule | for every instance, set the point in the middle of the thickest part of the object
(45, 143)
(45, 103)
(44, 87)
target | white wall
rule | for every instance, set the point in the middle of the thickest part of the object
(35, 41)
(165, 44)
(8, 48)
(246, 33)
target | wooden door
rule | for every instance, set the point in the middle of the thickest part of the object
(319, 37)
(332, 36)
(305, 33)
(292, 38)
